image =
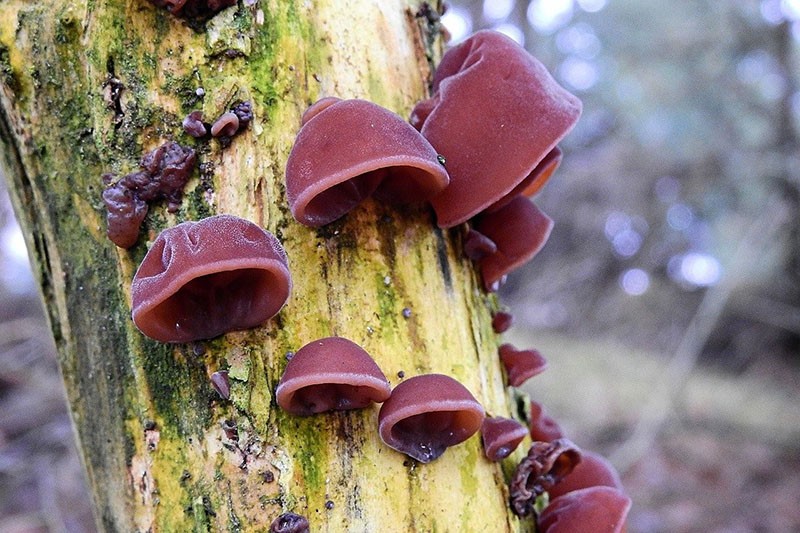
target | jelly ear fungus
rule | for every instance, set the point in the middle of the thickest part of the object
(330, 374)
(494, 115)
(202, 279)
(347, 150)
(426, 414)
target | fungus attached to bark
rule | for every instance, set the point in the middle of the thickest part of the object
(502, 321)
(347, 150)
(546, 464)
(427, 414)
(226, 125)
(521, 365)
(520, 230)
(594, 470)
(586, 511)
(290, 523)
(194, 126)
(202, 279)
(501, 436)
(495, 114)
(330, 374)
(477, 245)
(164, 172)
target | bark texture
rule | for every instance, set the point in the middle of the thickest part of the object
(88, 86)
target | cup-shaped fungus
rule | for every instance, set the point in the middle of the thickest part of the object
(427, 414)
(495, 114)
(546, 464)
(202, 279)
(594, 470)
(521, 365)
(586, 511)
(519, 230)
(501, 436)
(346, 150)
(501, 321)
(330, 374)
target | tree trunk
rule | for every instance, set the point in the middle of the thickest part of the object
(86, 88)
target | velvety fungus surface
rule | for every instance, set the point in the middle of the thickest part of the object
(426, 414)
(202, 279)
(495, 113)
(347, 150)
(501, 436)
(330, 374)
(589, 510)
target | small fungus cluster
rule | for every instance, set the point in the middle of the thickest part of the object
(477, 149)
(164, 172)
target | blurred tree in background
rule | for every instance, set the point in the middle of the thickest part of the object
(688, 141)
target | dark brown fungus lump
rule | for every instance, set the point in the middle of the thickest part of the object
(289, 523)
(329, 374)
(495, 114)
(586, 510)
(521, 365)
(427, 414)
(347, 150)
(193, 8)
(520, 230)
(194, 126)
(546, 464)
(502, 321)
(543, 426)
(202, 279)
(501, 436)
(594, 470)
(164, 172)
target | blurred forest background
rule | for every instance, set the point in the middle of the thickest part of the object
(667, 300)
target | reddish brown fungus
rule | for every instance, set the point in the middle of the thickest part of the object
(533, 183)
(546, 464)
(477, 245)
(502, 321)
(226, 125)
(586, 510)
(202, 279)
(427, 414)
(164, 173)
(347, 150)
(495, 114)
(221, 384)
(329, 374)
(520, 230)
(194, 126)
(521, 365)
(501, 436)
(289, 523)
(244, 112)
(543, 427)
(594, 470)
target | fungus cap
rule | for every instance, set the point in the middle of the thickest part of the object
(427, 414)
(594, 470)
(534, 182)
(544, 427)
(348, 149)
(519, 230)
(202, 279)
(329, 374)
(494, 115)
(586, 511)
(501, 436)
(521, 365)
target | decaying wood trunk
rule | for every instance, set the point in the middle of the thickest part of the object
(86, 88)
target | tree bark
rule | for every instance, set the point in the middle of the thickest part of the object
(86, 87)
